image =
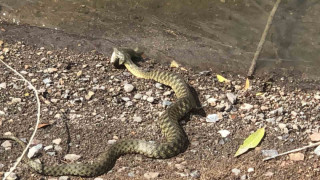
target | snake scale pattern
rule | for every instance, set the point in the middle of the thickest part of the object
(176, 139)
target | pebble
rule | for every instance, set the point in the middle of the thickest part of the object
(246, 106)
(137, 96)
(131, 174)
(57, 141)
(47, 81)
(224, 133)
(150, 99)
(112, 141)
(282, 125)
(232, 98)
(125, 99)
(12, 176)
(2, 113)
(7, 145)
(166, 103)
(34, 150)
(3, 85)
(269, 152)
(236, 171)
(159, 86)
(315, 137)
(98, 178)
(64, 178)
(243, 177)
(128, 88)
(250, 170)
(151, 175)
(50, 70)
(296, 156)
(137, 119)
(195, 174)
(89, 95)
(48, 147)
(317, 151)
(57, 148)
(15, 100)
(212, 118)
(72, 157)
(268, 174)
(167, 93)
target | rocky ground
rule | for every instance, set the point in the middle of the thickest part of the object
(87, 105)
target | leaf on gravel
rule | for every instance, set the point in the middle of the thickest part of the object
(251, 142)
(222, 79)
(259, 94)
(183, 69)
(315, 137)
(296, 156)
(174, 64)
(247, 84)
(42, 125)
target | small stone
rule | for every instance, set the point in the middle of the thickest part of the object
(180, 166)
(137, 119)
(296, 156)
(50, 70)
(125, 99)
(3, 85)
(15, 100)
(34, 150)
(268, 174)
(243, 177)
(89, 95)
(128, 88)
(2, 113)
(72, 157)
(48, 148)
(282, 125)
(167, 93)
(12, 176)
(47, 81)
(212, 118)
(166, 103)
(269, 152)
(112, 141)
(79, 73)
(317, 96)
(212, 101)
(131, 174)
(224, 133)
(315, 137)
(57, 148)
(98, 178)
(294, 114)
(64, 178)
(150, 99)
(232, 98)
(7, 145)
(195, 174)
(159, 86)
(263, 108)
(246, 106)
(57, 141)
(250, 170)
(137, 96)
(5, 50)
(151, 175)
(236, 171)
(317, 151)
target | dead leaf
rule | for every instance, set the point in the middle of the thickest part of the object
(222, 79)
(183, 69)
(174, 64)
(315, 137)
(296, 156)
(42, 125)
(246, 87)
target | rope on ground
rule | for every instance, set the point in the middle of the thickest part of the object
(37, 123)
(263, 39)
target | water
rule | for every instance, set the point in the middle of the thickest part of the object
(204, 34)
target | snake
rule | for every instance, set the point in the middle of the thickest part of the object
(175, 141)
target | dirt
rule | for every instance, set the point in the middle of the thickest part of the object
(86, 125)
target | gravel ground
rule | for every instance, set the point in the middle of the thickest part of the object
(89, 105)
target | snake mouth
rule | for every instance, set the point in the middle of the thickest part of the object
(115, 61)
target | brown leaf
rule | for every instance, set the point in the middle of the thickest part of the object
(42, 125)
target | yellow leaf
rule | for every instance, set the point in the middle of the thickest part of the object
(247, 84)
(259, 94)
(26, 94)
(251, 142)
(174, 64)
(183, 69)
(222, 79)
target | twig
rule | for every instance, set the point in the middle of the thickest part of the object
(37, 123)
(263, 39)
(292, 151)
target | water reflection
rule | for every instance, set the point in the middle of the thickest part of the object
(205, 33)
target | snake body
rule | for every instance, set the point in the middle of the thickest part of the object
(176, 139)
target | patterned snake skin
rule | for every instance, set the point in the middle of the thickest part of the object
(176, 139)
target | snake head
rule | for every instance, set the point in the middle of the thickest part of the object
(121, 55)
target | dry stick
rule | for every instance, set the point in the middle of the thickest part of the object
(37, 123)
(292, 151)
(263, 39)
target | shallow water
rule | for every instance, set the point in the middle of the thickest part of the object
(204, 34)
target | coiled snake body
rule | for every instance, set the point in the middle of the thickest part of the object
(176, 139)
